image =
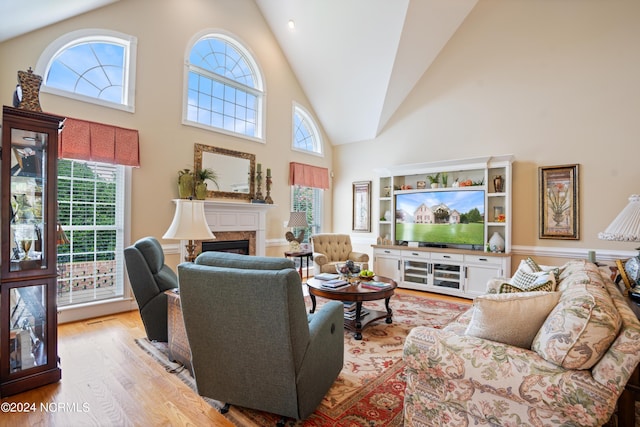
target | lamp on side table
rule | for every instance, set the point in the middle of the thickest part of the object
(626, 228)
(189, 223)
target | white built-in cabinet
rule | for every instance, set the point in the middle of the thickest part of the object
(455, 271)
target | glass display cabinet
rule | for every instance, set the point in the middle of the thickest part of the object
(28, 314)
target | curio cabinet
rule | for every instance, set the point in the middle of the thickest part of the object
(28, 312)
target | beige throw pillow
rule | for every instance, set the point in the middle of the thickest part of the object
(511, 318)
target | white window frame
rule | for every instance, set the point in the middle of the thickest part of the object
(313, 128)
(258, 91)
(317, 214)
(130, 44)
(126, 302)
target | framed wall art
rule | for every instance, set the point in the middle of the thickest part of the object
(362, 206)
(558, 202)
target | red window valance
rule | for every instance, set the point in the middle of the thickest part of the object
(308, 176)
(84, 140)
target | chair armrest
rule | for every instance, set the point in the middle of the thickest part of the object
(320, 258)
(324, 356)
(493, 285)
(358, 257)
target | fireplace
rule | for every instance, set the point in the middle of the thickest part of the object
(236, 221)
(234, 246)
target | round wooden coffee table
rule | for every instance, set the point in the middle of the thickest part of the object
(358, 294)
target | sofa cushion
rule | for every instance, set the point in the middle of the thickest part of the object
(538, 281)
(511, 318)
(581, 327)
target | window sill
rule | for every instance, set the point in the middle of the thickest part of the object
(95, 309)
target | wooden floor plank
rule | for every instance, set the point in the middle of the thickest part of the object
(108, 380)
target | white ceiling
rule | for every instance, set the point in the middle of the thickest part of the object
(356, 60)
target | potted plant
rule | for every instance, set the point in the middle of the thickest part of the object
(433, 179)
(445, 178)
(201, 178)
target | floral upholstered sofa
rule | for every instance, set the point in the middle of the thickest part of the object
(576, 367)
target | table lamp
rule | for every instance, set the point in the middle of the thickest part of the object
(626, 228)
(189, 223)
(296, 219)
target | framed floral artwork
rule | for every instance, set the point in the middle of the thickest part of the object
(362, 206)
(558, 202)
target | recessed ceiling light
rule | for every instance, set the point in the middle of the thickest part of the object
(292, 24)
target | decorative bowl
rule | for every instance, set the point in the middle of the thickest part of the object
(367, 278)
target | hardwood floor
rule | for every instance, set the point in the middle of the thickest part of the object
(107, 380)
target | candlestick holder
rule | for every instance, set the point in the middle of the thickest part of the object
(268, 199)
(258, 198)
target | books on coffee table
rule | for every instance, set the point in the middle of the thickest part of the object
(375, 285)
(335, 283)
(326, 276)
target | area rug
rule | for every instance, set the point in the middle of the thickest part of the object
(370, 389)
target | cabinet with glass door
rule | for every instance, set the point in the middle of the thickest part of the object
(28, 315)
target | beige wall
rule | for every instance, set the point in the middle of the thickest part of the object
(164, 30)
(552, 82)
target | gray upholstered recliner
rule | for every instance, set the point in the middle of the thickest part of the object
(150, 277)
(252, 342)
(330, 249)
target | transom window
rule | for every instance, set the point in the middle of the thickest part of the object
(224, 87)
(92, 66)
(306, 136)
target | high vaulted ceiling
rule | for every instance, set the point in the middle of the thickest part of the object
(356, 60)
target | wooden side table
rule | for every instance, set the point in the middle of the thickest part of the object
(631, 392)
(179, 350)
(301, 255)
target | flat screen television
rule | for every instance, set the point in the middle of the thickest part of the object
(441, 218)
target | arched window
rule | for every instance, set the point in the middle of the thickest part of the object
(224, 87)
(96, 66)
(306, 136)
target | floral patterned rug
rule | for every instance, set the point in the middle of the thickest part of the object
(370, 389)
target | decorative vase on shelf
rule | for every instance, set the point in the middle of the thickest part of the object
(201, 190)
(185, 184)
(496, 243)
(498, 184)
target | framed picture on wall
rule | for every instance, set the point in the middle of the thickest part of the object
(558, 202)
(362, 206)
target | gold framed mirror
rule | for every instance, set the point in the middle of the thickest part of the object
(235, 171)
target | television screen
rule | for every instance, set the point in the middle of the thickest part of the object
(441, 217)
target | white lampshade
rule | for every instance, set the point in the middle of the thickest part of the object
(189, 222)
(626, 226)
(298, 219)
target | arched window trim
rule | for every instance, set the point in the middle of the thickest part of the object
(130, 44)
(259, 91)
(317, 137)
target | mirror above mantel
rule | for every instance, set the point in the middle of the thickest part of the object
(235, 171)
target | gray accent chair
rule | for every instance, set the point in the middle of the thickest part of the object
(252, 342)
(150, 277)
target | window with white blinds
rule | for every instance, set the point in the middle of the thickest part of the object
(309, 200)
(91, 213)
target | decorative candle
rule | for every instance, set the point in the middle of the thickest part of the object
(259, 167)
(269, 172)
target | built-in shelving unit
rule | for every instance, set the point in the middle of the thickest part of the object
(457, 270)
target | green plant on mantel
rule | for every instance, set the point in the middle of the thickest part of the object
(203, 175)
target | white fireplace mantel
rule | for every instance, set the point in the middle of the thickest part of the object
(237, 216)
